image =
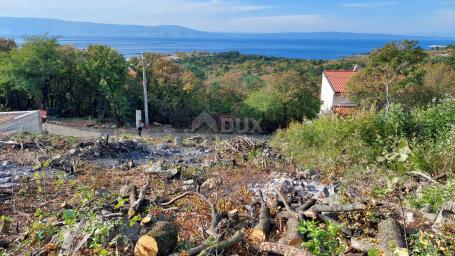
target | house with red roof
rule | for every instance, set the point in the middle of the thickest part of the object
(332, 91)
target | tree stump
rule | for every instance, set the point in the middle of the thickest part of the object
(390, 235)
(160, 241)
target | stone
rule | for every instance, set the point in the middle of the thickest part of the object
(446, 214)
(210, 183)
(188, 182)
(172, 173)
(155, 169)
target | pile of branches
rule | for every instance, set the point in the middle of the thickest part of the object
(19, 145)
(104, 148)
(101, 148)
(243, 146)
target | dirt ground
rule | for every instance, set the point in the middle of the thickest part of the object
(94, 194)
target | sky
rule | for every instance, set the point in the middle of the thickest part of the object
(405, 17)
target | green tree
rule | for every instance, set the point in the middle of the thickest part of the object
(35, 65)
(106, 73)
(390, 72)
(286, 97)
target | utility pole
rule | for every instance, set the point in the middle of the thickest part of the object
(146, 105)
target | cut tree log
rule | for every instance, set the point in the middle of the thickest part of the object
(308, 204)
(262, 229)
(292, 236)
(132, 194)
(160, 241)
(364, 246)
(282, 249)
(390, 235)
(339, 207)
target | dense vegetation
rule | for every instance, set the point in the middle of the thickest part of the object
(402, 73)
(101, 83)
(374, 151)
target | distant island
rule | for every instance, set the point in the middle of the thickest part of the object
(19, 27)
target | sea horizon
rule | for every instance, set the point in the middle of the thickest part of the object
(316, 49)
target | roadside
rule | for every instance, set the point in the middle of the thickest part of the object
(90, 133)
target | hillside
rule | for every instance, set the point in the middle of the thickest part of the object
(14, 26)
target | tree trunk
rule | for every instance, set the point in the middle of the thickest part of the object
(262, 229)
(281, 249)
(160, 241)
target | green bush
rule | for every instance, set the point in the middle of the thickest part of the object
(427, 244)
(322, 240)
(338, 144)
(433, 197)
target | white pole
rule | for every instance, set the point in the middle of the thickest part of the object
(146, 106)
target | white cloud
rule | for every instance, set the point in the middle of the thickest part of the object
(368, 4)
(281, 23)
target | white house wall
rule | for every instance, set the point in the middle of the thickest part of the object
(17, 122)
(327, 94)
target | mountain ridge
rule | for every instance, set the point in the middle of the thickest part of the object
(27, 26)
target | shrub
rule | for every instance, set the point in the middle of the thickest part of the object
(322, 240)
(333, 143)
(433, 197)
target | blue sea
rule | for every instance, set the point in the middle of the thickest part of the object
(323, 49)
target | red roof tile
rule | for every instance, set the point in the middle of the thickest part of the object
(339, 78)
(343, 110)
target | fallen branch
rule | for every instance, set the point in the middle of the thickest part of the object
(225, 244)
(289, 210)
(421, 175)
(139, 204)
(282, 249)
(173, 200)
(216, 217)
(346, 231)
(339, 207)
(292, 236)
(308, 204)
(262, 229)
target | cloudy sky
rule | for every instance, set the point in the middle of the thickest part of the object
(412, 17)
